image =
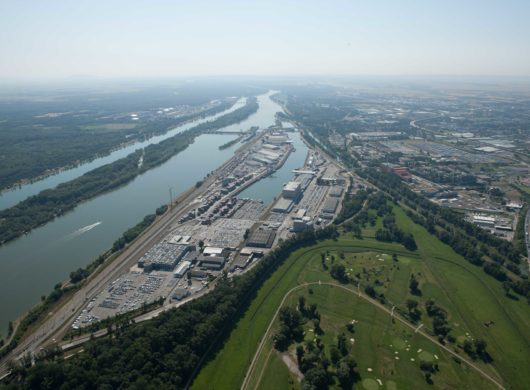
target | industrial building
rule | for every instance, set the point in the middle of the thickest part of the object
(163, 257)
(181, 293)
(215, 251)
(330, 180)
(299, 225)
(335, 191)
(243, 259)
(214, 263)
(292, 190)
(261, 239)
(484, 221)
(277, 139)
(283, 206)
(401, 172)
(376, 135)
(182, 268)
(262, 159)
(330, 205)
(271, 147)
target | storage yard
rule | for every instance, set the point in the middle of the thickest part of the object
(219, 232)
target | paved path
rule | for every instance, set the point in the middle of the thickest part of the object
(373, 302)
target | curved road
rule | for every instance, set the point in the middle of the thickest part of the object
(416, 329)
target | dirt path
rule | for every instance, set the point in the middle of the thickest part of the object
(292, 365)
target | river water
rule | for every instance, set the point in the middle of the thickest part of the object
(268, 188)
(31, 265)
(10, 198)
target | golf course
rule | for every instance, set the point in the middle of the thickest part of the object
(391, 335)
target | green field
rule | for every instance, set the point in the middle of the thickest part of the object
(385, 351)
(476, 306)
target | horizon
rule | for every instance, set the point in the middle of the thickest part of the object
(60, 41)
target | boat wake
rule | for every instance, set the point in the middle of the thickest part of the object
(83, 230)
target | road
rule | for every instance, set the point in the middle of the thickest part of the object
(416, 329)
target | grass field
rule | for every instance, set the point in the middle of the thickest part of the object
(471, 298)
(385, 351)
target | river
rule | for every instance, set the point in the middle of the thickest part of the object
(268, 188)
(10, 198)
(31, 265)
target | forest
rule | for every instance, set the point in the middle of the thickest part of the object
(42, 131)
(51, 203)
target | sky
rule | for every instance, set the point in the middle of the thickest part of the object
(55, 39)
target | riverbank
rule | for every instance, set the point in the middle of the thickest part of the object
(137, 138)
(32, 264)
(49, 204)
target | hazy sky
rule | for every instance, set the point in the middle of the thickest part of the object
(55, 39)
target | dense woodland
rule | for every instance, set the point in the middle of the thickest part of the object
(43, 130)
(48, 204)
(497, 257)
(164, 352)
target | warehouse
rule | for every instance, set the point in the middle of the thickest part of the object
(262, 159)
(277, 139)
(283, 206)
(330, 205)
(163, 257)
(269, 154)
(261, 239)
(215, 251)
(181, 269)
(181, 293)
(271, 147)
(292, 190)
(335, 191)
(482, 220)
(214, 263)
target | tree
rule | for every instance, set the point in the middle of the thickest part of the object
(301, 303)
(338, 271)
(468, 348)
(342, 344)
(414, 311)
(345, 372)
(281, 341)
(334, 354)
(370, 291)
(413, 286)
(299, 353)
(480, 346)
(315, 379)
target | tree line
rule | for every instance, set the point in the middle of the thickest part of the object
(163, 352)
(42, 208)
(498, 257)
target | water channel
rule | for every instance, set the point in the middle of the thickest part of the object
(10, 198)
(31, 265)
